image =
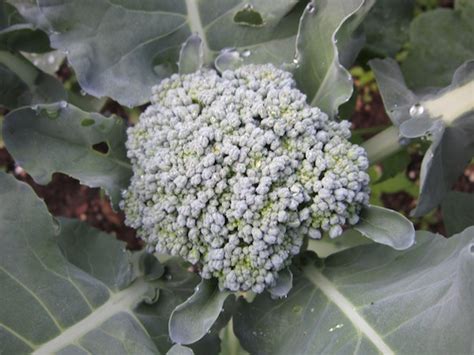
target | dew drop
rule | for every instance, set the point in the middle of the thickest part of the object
(83, 93)
(246, 53)
(168, 277)
(51, 59)
(311, 310)
(63, 104)
(311, 8)
(337, 326)
(416, 110)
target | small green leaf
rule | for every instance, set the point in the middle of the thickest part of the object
(386, 227)
(191, 55)
(191, 320)
(325, 39)
(51, 138)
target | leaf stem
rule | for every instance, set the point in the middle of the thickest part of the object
(26, 71)
(451, 104)
(382, 144)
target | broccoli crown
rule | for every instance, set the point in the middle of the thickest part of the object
(232, 171)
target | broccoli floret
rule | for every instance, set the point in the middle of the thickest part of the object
(232, 171)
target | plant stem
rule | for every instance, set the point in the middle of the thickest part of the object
(26, 71)
(451, 104)
(382, 144)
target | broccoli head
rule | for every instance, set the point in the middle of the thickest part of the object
(232, 171)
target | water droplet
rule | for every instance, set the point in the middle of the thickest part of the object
(35, 108)
(416, 110)
(36, 62)
(311, 310)
(296, 60)
(168, 277)
(248, 7)
(51, 59)
(63, 104)
(246, 53)
(254, 333)
(83, 93)
(311, 8)
(403, 141)
(337, 326)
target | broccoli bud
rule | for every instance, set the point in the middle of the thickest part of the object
(232, 171)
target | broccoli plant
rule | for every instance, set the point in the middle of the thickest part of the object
(255, 201)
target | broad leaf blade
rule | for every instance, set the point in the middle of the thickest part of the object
(386, 226)
(62, 138)
(319, 72)
(371, 299)
(104, 39)
(49, 305)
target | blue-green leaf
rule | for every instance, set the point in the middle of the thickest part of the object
(368, 300)
(62, 138)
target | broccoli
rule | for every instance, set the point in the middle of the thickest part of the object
(232, 171)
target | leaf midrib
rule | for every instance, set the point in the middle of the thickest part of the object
(339, 300)
(122, 301)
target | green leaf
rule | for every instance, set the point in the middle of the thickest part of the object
(62, 138)
(176, 286)
(458, 213)
(104, 39)
(440, 41)
(386, 26)
(191, 320)
(23, 84)
(396, 96)
(48, 304)
(371, 299)
(16, 34)
(325, 40)
(386, 227)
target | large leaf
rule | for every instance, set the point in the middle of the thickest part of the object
(386, 26)
(371, 299)
(440, 41)
(47, 303)
(62, 138)
(121, 48)
(458, 213)
(326, 38)
(76, 290)
(23, 84)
